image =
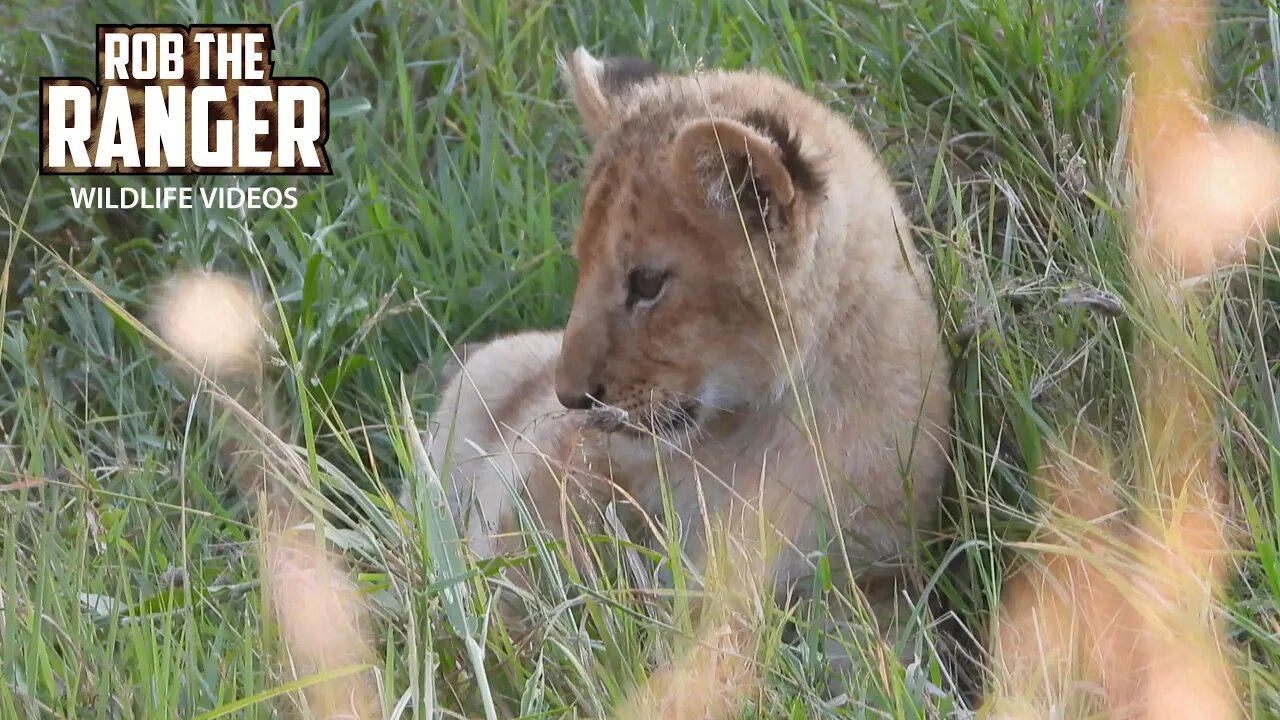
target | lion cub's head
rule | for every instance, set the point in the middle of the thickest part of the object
(700, 205)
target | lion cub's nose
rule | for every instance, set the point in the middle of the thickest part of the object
(581, 401)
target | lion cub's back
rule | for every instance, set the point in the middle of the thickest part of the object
(504, 379)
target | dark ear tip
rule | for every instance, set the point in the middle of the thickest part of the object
(624, 72)
(804, 171)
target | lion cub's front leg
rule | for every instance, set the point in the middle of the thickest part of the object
(567, 491)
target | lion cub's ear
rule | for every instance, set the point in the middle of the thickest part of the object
(599, 86)
(755, 168)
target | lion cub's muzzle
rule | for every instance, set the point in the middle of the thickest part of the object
(658, 421)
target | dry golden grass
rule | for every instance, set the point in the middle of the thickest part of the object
(716, 673)
(215, 324)
(1120, 618)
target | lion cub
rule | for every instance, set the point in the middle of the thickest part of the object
(751, 320)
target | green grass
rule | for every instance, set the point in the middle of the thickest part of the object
(129, 583)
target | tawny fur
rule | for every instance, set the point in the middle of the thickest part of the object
(501, 433)
(791, 360)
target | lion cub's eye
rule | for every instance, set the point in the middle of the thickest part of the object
(644, 285)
